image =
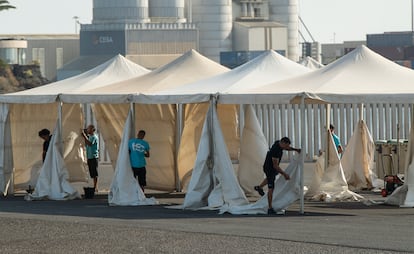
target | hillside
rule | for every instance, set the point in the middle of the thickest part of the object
(15, 78)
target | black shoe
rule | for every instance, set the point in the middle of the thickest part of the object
(259, 190)
(271, 211)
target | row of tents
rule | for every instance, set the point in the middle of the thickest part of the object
(191, 109)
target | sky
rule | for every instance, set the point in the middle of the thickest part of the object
(329, 21)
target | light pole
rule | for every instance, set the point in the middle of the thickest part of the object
(76, 18)
(412, 21)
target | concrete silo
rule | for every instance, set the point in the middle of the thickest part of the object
(167, 11)
(213, 18)
(120, 11)
(286, 12)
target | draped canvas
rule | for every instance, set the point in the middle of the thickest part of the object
(27, 145)
(253, 148)
(125, 190)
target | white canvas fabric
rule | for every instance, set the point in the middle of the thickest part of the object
(53, 182)
(188, 68)
(409, 182)
(26, 121)
(27, 145)
(333, 185)
(403, 196)
(75, 157)
(285, 192)
(160, 124)
(111, 122)
(194, 118)
(317, 175)
(213, 181)
(358, 159)
(311, 63)
(74, 145)
(266, 68)
(116, 69)
(398, 197)
(34, 109)
(6, 165)
(361, 76)
(158, 120)
(253, 149)
(125, 190)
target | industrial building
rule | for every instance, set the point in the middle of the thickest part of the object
(49, 51)
(396, 46)
(155, 32)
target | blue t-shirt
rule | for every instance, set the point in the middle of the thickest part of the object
(137, 148)
(92, 151)
(336, 140)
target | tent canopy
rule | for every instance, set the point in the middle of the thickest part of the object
(311, 63)
(267, 68)
(361, 76)
(186, 69)
(116, 69)
(35, 109)
(111, 106)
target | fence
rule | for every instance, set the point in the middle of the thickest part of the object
(385, 122)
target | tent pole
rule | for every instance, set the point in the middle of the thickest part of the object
(301, 172)
(60, 138)
(210, 126)
(6, 156)
(132, 109)
(361, 111)
(327, 132)
(179, 130)
(241, 118)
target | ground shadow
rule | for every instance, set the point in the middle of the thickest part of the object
(98, 207)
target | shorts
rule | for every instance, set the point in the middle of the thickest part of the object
(270, 176)
(93, 167)
(141, 173)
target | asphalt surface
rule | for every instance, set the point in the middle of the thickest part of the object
(91, 226)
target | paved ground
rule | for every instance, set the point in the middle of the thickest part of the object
(91, 226)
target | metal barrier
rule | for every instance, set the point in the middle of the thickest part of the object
(390, 157)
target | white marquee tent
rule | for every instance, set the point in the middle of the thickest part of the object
(361, 76)
(31, 110)
(114, 70)
(160, 120)
(268, 67)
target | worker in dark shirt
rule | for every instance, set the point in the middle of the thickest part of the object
(45, 135)
(271, 168)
